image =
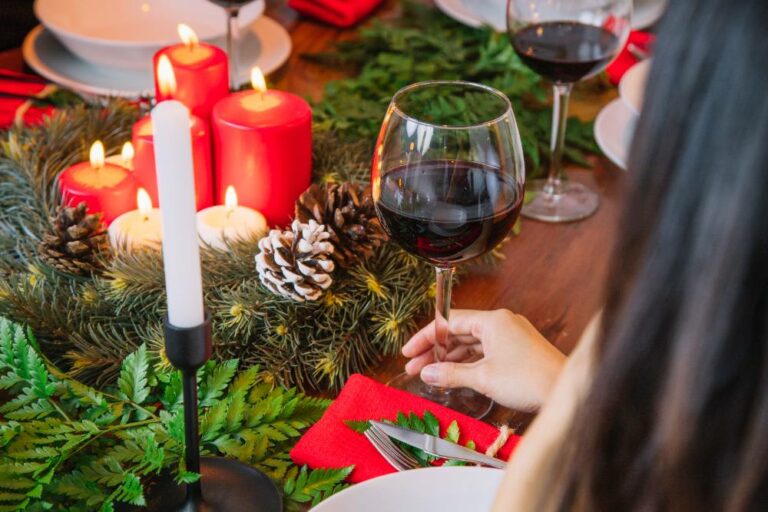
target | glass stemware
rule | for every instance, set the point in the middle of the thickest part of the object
(232, 8)
(448, 184)
(565, 41)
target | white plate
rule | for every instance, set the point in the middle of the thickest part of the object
(476, 13)
(614, 128)
(267, 45)
(127, 33)
(632, 85)
(456, 489)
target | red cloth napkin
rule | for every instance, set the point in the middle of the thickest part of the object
(625, 60)
(330, 443)
(27, 85)
(341, 13)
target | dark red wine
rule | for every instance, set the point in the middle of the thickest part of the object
(230, 3)
(446, 211)
(565, 51)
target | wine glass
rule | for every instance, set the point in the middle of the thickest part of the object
(565, 41)
(232, 8)
(448, 181)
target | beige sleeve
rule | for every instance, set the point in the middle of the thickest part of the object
(530, 470)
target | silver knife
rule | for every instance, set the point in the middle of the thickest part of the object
(436, 446)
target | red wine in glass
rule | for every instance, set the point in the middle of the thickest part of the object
(565, 51)
(448, 212)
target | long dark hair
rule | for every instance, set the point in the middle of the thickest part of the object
(677, 415)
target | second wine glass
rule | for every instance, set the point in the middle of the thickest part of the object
(565, 41)
(448, 178)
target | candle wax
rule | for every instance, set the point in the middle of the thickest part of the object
(263, 147)
(218, 224)
(144, 160)
(109, 189)
(136, 229)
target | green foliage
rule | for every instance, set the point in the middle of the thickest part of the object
(64, 445)
(423, 44)
(427, 423)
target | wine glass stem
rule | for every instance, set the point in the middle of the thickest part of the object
(232, 13)
(559, 121)
(444, 282)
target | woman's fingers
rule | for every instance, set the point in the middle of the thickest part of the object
(459, 353)
(465, 326)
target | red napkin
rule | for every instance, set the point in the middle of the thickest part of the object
(625, 60)
(330, 443)
(21, 84)
(341, 13)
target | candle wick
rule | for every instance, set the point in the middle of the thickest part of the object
(229, 212)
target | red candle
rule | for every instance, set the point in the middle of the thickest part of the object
(202, 73)
(263, 147)
(144, 150)
(105, 187)
(144, 160)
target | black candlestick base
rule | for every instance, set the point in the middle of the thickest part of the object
(227, 486)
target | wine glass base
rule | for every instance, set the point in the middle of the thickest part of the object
(463, 400)
(574, 202)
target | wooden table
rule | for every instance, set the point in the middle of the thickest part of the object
(553, 274)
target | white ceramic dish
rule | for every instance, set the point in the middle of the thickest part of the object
(476, 13)
(456, 489)
(266, 44)
(127, 33)
(614, 129)
(632, 85)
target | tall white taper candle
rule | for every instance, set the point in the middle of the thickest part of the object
(176, 191)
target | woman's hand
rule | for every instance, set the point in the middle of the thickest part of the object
(517, 368)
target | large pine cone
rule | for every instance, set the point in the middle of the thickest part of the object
(347, 211)
(75, 241)
(296, 263)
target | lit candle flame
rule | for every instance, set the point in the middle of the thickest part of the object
(97, 155)
(127, 153)
(257, 80)
(230, 200)
(166, 78)
(144, 203)
(187, 35)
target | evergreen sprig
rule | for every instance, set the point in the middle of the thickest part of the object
(65, 445)
(424, 44)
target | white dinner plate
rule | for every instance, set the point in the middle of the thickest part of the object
(614, 128)
(632, 85)
(454, 489)
(476, 13)
(267, 45)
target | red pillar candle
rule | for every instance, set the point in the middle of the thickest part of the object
(263, 148)
(105, 187)
(144, 160)
(144, 147)
(202, 73)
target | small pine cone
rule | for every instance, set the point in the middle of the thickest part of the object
(75, 241)
(348, 213)
(296, 263)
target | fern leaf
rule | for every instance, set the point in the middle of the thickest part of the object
(216, 382)
(315, 485)
(133, 376)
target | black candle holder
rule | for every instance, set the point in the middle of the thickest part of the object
(225, 485)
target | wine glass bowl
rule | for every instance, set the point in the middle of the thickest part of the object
(448, 185)
(565, 41)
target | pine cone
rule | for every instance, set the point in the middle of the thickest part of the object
(349, 215)
(75, 241)
(296, 263)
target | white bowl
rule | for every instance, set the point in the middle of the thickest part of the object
(632, 86)
(127, 33)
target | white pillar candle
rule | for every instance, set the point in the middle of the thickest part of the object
(137, 228)
(217, 224)
(176, 190)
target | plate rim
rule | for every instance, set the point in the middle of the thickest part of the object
(600, 121)
(399, 475)
(31, 57)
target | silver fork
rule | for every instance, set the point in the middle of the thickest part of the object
(396, 456)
